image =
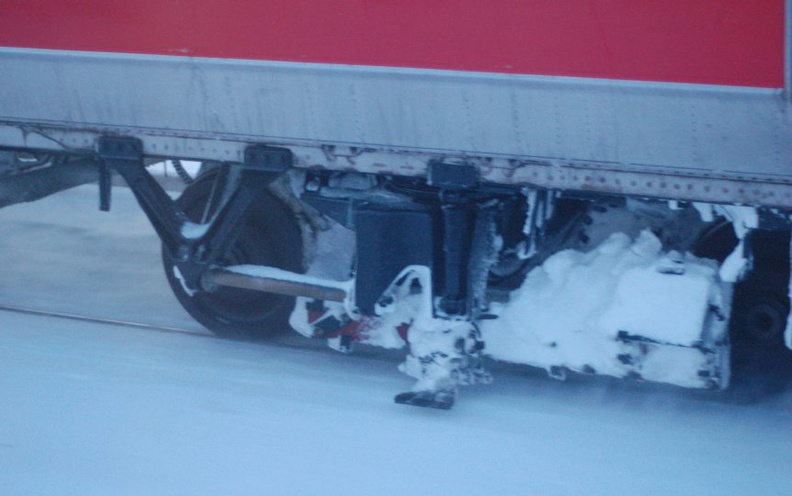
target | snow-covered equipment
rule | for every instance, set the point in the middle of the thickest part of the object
(599, 188)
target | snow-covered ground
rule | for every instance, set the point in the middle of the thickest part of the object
(98, 409)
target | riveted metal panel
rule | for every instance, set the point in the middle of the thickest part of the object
(695, 131)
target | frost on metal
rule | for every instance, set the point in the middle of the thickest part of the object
(191, 230)
(742, 219)
(284, 275)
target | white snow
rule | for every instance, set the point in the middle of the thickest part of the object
(570, 311)
(285, 275)
(742, 219)
(191, 230)
(95, 409)
(670, 308)
(735, 264)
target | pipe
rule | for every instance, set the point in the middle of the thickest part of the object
(295, 285)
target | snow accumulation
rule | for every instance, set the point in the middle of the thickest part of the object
(625, 308)
(191, 230)
(577, 309)
(285, 275)
(742, 220)
(97, 409)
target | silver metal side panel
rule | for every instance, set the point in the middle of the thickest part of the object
(209, 108)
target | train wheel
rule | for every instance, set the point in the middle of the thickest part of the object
(761, 303)
(271, 236)
(761, 318)
(761, 363)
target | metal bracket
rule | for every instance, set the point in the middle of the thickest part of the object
(193, 255)
(105, 187)
(125, 156)
(268, 159)
(452, 177)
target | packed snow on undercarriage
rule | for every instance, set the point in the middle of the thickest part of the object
(455, 271)
(600, 285)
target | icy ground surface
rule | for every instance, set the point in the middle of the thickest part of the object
(97, 409)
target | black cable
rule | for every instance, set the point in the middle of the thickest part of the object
(183, 174)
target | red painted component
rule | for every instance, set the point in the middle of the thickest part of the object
(314, 316)
(730, 42)
(403, 331)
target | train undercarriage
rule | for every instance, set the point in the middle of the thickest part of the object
(453, 268)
